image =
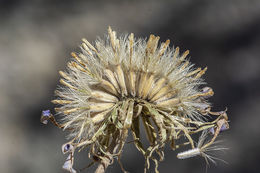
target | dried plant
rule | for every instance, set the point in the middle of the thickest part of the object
(112, 87)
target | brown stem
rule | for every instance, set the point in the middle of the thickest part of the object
(108, 160)
(104, 163)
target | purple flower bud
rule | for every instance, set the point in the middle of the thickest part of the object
(67, 148)
(212, 130)
(201, 106)
(224, 127)
(45, 116)
(206, 89)
(46, 113)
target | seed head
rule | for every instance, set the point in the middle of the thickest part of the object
(110, 88)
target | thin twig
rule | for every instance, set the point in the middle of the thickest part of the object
(108, 159)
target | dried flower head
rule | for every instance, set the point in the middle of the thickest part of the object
(110, 88)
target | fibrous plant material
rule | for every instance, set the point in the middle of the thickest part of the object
(111, 87)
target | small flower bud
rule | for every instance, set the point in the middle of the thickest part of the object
(45, 116)
(67, 148)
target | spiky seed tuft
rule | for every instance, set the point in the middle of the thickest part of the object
(109, 87)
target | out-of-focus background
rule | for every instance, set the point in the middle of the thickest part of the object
(36, 38)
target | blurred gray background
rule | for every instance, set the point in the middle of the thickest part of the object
(36, 38)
